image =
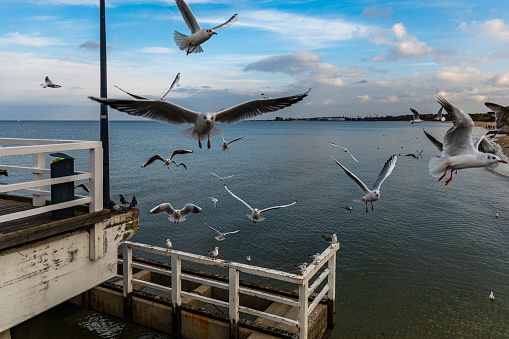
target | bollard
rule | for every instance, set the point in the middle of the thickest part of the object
(61, 167)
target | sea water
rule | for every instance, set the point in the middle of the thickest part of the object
(422, 263)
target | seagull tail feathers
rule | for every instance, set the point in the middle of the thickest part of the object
(190, 133)
(437, 166)
(180, 40)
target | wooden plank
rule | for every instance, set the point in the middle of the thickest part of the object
(50, 229)
(43, 209)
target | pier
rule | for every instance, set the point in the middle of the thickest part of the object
(46, 260)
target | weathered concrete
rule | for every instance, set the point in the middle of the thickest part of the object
(41, 274)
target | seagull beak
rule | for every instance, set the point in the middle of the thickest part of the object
(214, 33)
(505, 162)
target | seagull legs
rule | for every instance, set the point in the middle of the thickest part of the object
(449, 180)
(443, 175)
(208, 140)
(366, 207)
(199, 140)
(372, 208)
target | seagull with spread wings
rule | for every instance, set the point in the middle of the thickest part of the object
(501, 118)
(198, 35)
(344, 149)
(176, 215)
(255, 212)
(372, 194)
(177, 78)
(167, 112)
(168, 161)
(416, 118)
(49, 83)
(225, 143)
(221, 236)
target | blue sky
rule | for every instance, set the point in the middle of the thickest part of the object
(360, 58)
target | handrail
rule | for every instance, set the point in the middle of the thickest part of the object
(37, 186)
(328, 256)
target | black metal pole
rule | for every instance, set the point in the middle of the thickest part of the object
(104, 110)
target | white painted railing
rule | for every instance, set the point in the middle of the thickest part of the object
(36, 187)
(233, 286)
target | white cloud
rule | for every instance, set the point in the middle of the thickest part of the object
(157, 50)
(32, 40)
(498, 80)
(363, 97)
(495, 29)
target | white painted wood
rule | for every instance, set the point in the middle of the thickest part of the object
(127, 269)
(332, 277)
(96, 243)
(46, 148)
(38, 161)
(43, 182)
(176, 282)
(318, 281)
(28, 142)
(26, 169)
(205, 299)
(44, 209)
(303, 310)
(95, 183)
(269, 316)
(233, 294)
(151, 285)
(5, 334)
(318, 298)
(324, 257)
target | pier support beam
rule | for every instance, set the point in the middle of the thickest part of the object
(5, 334)
(234, 302)
(176, 298)
(303, 310)
(331, 294)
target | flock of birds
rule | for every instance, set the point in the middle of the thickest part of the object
(457, 150)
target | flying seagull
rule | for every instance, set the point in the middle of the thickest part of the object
(221, 236)
(177, 78)
(49, 83)
(265, 96)
(83, 186)
(416, 118)
(501, 119)
(221, 178)
(214, 200)
(168, 161)
(198, 34)
(255, 212)
(344, 149)
(176, 215)
(348, 208)
(440, 117)
(203, 127)
(459, 152)
(372, 194)
(225, 144)
(492, 297)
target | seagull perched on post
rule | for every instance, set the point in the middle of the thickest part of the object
(168, 243)
(255, 212)
(372, 194)
(176, 215)
(458, 150)
(221, 236)
(203, 127)
(198, 35)
(49, 83)
(225, 144)
(168, 161)
(330, 239)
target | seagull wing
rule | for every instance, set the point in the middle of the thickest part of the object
(228, 176)
(386, 171)
(188, 16)
(231, 232)
(163, 111)
(229, 142)
(85, 187)
(222, 137)
(213, 229)
(163, 208)
(48, 81)
(276, 207)
(190, 208)
(253, 108)
(180, 151)
(152, 159)
(439, 114)
(352, 176)
(239, 199)
(214, 174)
(501, 115)
(227, 23)
(346, 150)
(458, 139)
(133, 95)
(434, 141)
(177, 78)
(416, 114)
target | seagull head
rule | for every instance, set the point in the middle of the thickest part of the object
(209, 118)
(210, 32)
(493, 159)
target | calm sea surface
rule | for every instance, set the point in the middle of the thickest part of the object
(421, 264)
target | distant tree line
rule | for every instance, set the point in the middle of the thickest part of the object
(484, 117)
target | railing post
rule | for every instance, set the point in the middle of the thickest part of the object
(233, 282)
(38, 161)
(176, 298)
(331, 295)
(127, 272)
(96, 180)
(303, 309)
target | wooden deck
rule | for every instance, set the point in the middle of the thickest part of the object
(17, 232)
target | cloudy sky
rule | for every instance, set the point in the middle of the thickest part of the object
(360, 58)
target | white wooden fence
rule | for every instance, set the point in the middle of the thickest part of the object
(302, 280)
(36, 187)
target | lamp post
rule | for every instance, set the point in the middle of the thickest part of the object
(104, 109)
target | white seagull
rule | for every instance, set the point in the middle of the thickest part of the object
(248, 258)
(176, 215)
(221, 178)
(175, 81)
(49, 83)
(214, 253)
(459, 152)
(314, 257)
(214, 200)
(168, 243)
(302, 267)
(203, 127)
(372, 194)
(344, 149)
(439, 114)
(255, 212)
(501, 118)
(83, 186)
(198, 34)
(168, 161)
(221, 236)
(225, 144)
(265, 96)
(492, 297)
(416, 118)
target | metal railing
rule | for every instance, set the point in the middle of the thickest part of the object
(233, 286)
(36, 187)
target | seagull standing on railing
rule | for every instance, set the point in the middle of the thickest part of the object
(214, 253)
(302, 267)
(168, 243)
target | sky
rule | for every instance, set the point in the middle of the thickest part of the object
(360, 58)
